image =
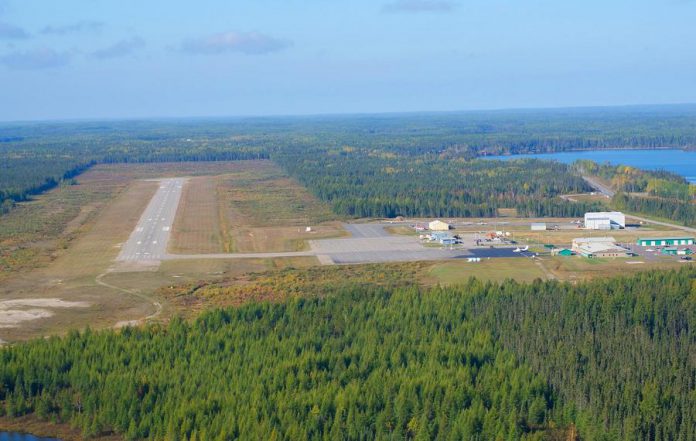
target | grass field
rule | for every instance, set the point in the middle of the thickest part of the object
(196, 227)
(71, 276)
(37, 232)
(577, 269)
(252, 207)
(453, 272)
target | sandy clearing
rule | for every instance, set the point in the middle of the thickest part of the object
(13, 312)
(45, 303)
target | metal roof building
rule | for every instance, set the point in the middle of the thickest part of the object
(599, 247)
(438, 225)
(539, 226)
(605, 220)
(665, 241)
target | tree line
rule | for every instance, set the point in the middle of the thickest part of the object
(479, 361)
(33, 156)
(360, 183)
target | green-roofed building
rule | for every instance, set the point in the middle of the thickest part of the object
(665, 241)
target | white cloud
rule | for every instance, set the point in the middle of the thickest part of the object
(250, 43)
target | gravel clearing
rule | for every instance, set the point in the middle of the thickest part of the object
(13, 312)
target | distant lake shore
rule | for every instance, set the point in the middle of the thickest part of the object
(681, 162)
(14, 436)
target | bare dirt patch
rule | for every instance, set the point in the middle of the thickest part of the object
(14, 312)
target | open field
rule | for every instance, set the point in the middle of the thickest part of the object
(36, 233)
(97, 226)
(72, 276)
(453, 272)
(263, 210)
(578, 269)
(197, 225)
(251, 208)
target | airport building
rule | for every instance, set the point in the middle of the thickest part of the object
(674, 251)
(665, 241)
(438, 225)
(539, 226)
(443, 237)
(605, 220)
(601, 247)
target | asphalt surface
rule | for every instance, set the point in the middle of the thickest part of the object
(366, 230)
(606, 191)
(370, 243)
(148, 241)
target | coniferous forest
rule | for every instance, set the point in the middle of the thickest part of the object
(399, 151)
(611, 359)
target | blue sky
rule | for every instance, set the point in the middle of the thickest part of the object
(114, 59)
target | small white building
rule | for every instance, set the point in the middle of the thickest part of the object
(438, 225)
(539, 226)
(605, 220)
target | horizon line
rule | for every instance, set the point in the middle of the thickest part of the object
(345, 114)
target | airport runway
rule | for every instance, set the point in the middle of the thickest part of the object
(147, 244)
(148, 241)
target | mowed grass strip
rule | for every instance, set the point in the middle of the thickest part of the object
(196, 226)
(262, 195)
(264, 210)
(459, 271)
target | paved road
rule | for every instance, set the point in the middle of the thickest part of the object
(606, 191)
(664, 224)
(148, 241)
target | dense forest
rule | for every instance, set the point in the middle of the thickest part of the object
(360, 183)
(35, 157)
(481, 361)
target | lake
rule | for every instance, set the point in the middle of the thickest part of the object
(676, 161)
(12, 436)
